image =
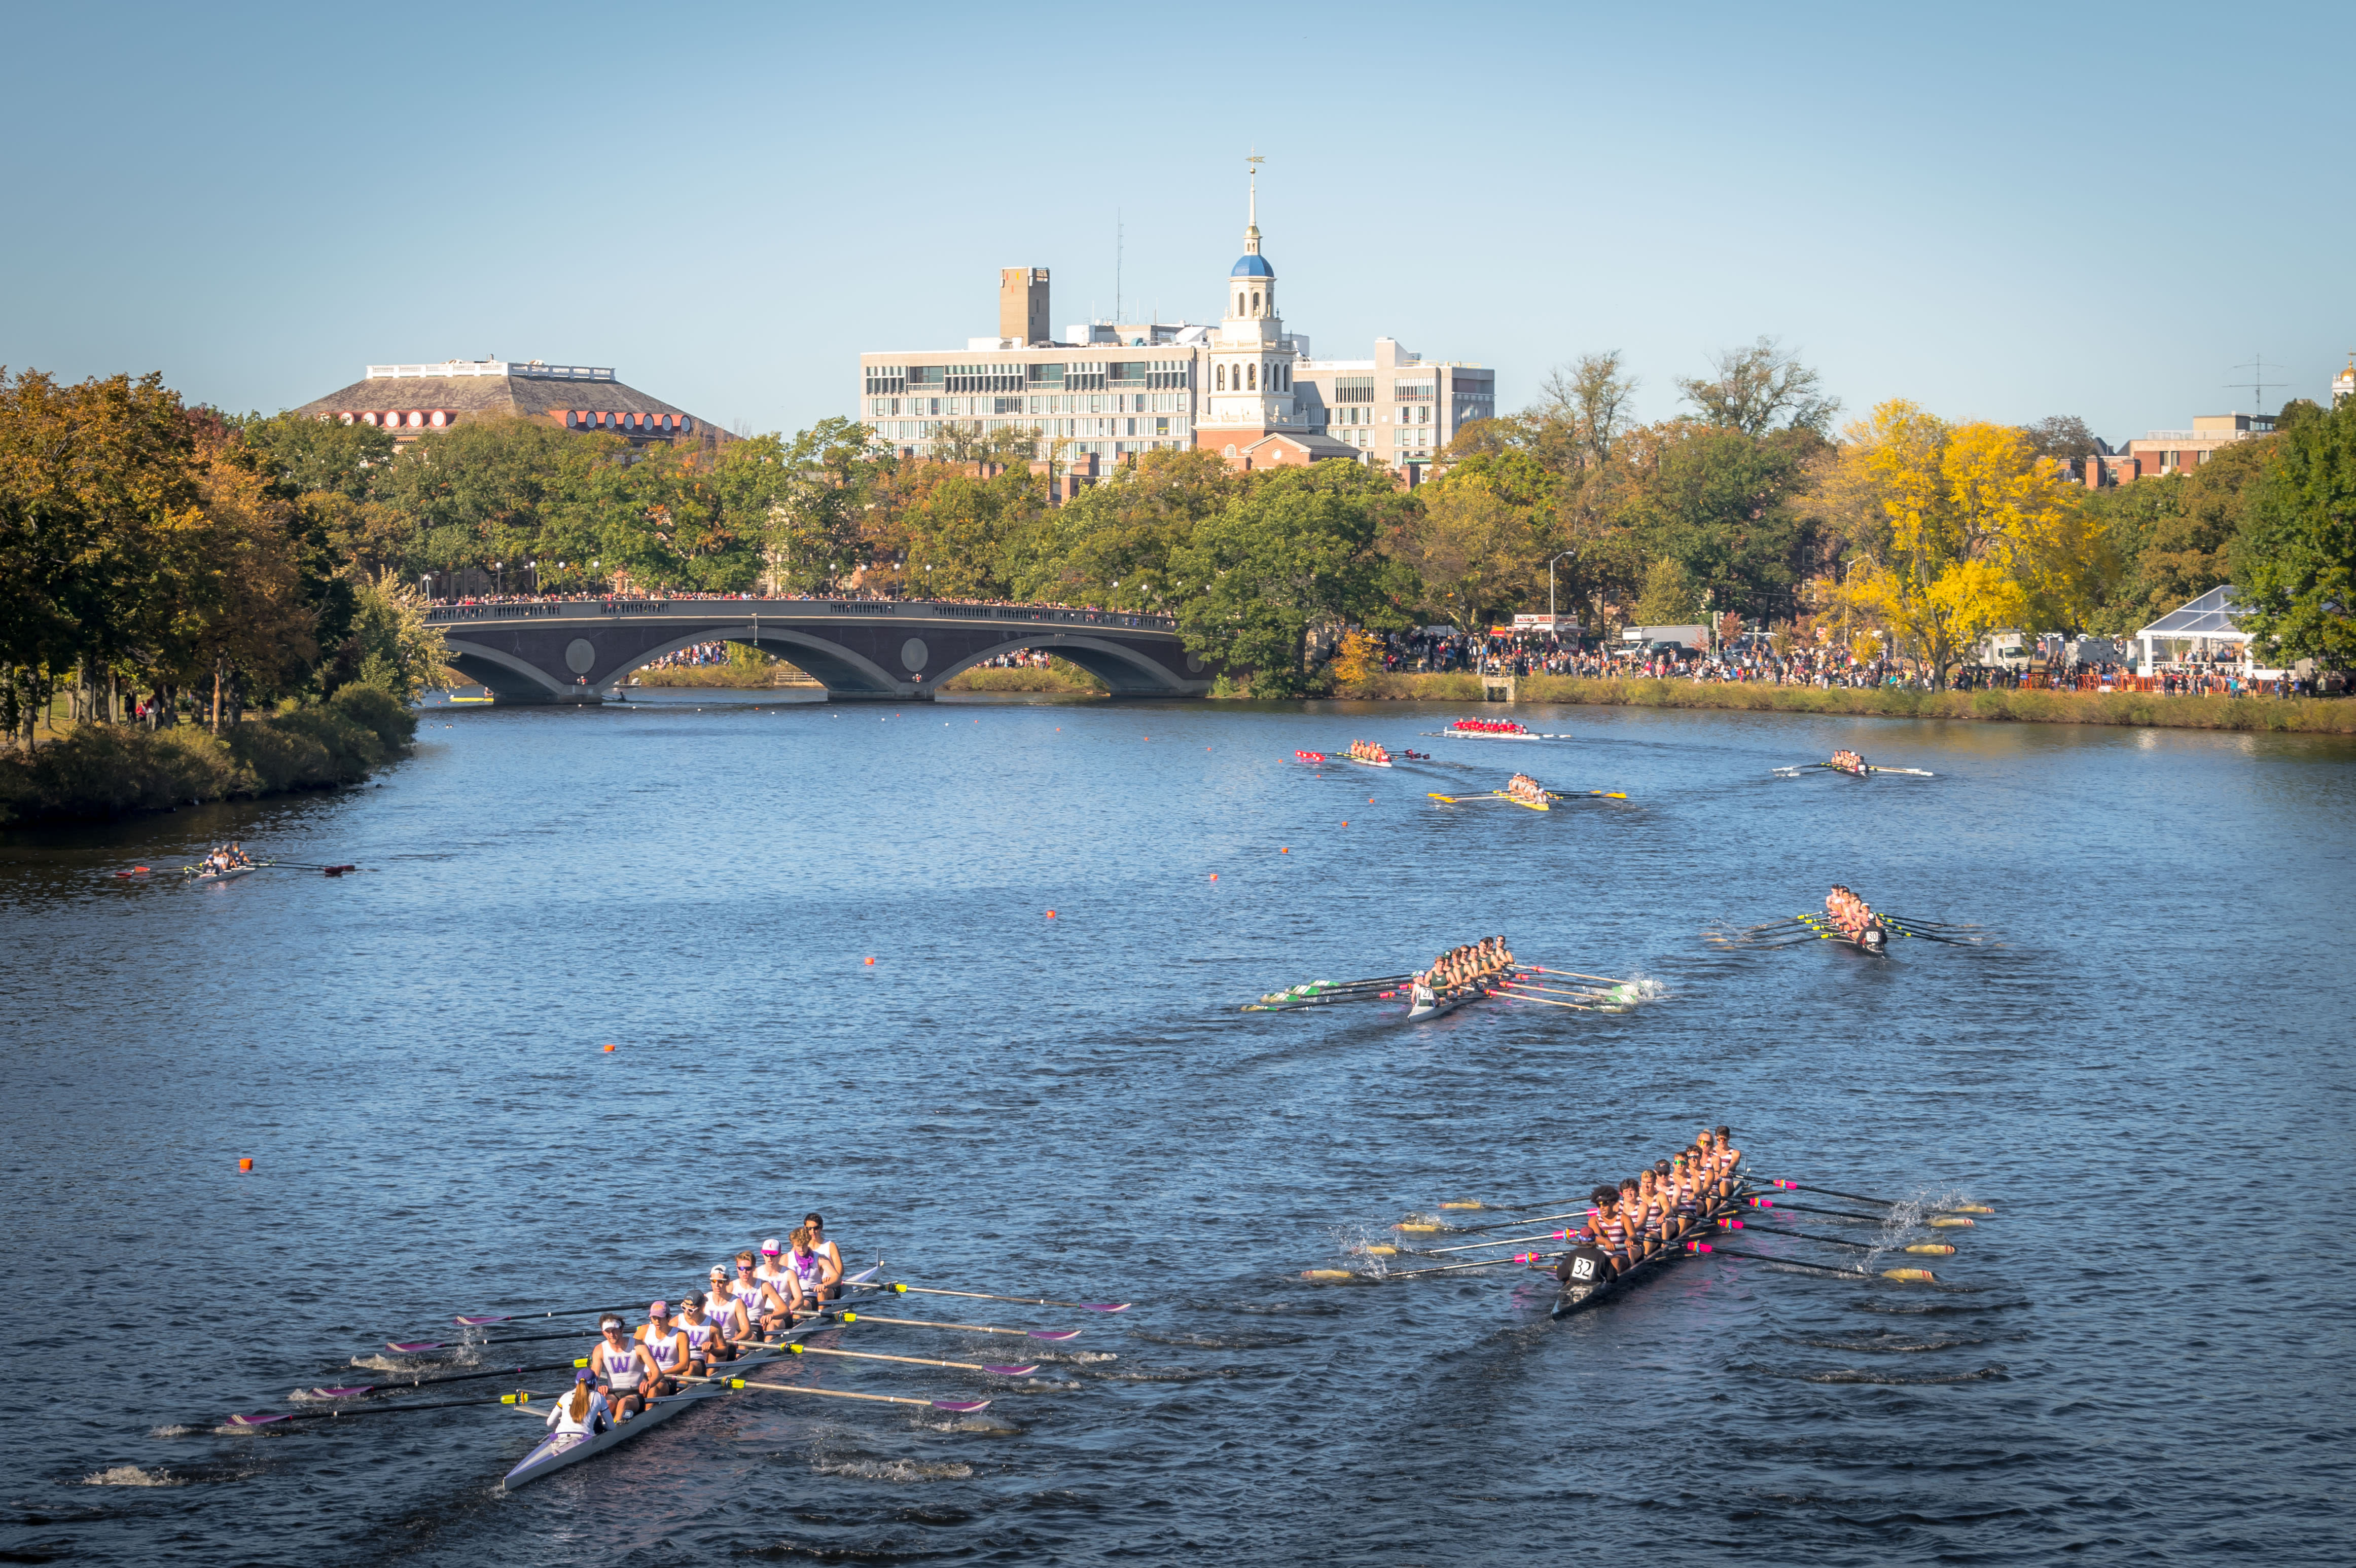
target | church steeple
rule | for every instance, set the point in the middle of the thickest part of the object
(1251, 219)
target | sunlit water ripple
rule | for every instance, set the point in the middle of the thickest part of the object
(2140, 1075)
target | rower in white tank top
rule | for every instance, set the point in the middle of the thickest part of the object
(665, 1345)
(827, 1253)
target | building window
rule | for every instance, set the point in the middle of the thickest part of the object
(1413, 391)
(1219, 377)
(1353, 388)
(1251, 378)
(1255, 302)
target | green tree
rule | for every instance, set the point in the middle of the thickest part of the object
(1294, 551)
(321, 455)
(1669, 598)
(2173, 534)
(1724, 504)
(2294, 559)
(1473, 550)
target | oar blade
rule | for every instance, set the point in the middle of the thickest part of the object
(412, 1347)
(263, 1420)
(338, 1392)
(961, 1406)
(1010, 1372)
(1053, 1333)
(463, 1321)
(1102, 1306)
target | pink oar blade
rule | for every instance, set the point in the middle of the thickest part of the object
(257, 1420)
(1054, 1333)
(466, 1322)
(1104, 1306)
(412, 1347)
(339, 1393)
(1010, 1371)
(962, 1406)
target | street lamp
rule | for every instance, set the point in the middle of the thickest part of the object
(1554, 624)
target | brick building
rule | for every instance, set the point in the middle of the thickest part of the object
(410, 400)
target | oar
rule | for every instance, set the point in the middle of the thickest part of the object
(1921, 1275)
(962, 1406)
(915, 1360)
(1476, 1246)
(1411, 1226)
(1585, 794)
(985, 1296)
(346, 1413)
(1471, 799)
(356, 1390)
(1540, 1001)
(1413, 1273)
(1831, 1213)
(1575, 974)
(1588, 992)
(416, 1345)
(1861, 1197)
(1929, 1249)
(965, 1328)
(1323, 999)
(522, 1315)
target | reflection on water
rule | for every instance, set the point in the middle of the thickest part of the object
(1073, 1107)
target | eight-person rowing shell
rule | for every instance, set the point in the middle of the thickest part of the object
(1849, 762)
(1371, 752)
(1854, 917)
(1524, 788)
(1646, 1212)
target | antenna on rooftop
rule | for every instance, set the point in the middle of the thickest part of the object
(1115, 264)
(2257, 384)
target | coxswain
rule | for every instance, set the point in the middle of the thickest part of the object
(707, 1341)
(661, 1340)
(583, 1410)
(623, 1367)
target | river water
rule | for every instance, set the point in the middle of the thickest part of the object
(2145, 1071)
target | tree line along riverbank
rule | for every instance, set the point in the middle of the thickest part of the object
(98, 771)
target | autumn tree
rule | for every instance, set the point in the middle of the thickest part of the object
(1965, 529)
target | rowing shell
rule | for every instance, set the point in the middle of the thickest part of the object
(1423, 1002)
(1798, 768)
(1595, 1285)
(1362, 762)
(1831, 933)
(560, 1449)
(228, 876)
(1493, 735)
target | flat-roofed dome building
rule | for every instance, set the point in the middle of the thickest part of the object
(411, 399)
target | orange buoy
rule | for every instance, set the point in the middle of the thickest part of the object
(1214, 876)
(245, 1165)
(871, 961)
(609, 1047)
(1345, 825)
(1051, 914)
(1284, 851)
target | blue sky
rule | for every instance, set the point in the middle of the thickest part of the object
(1995, 211)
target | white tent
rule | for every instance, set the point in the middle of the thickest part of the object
(2205, 623)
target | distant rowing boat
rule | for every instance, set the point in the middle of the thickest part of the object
(229, 875)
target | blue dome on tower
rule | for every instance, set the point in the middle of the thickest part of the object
(1254, 266)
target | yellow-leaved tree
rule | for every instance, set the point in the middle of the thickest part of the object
(1960, 528)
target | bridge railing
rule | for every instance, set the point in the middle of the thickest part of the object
(907, 609)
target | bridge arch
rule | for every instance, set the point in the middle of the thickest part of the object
(831, 665)
(1127, 673)
(504, 675)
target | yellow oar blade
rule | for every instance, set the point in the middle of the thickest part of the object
(1327, 1273)
(1466, 1203)
(1923, 1275)
(1947, 1221)
(1935, 1249)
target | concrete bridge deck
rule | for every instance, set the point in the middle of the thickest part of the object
(576, 650)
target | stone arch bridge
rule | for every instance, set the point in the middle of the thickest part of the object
(859, 649)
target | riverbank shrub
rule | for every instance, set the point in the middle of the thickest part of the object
(98, 771)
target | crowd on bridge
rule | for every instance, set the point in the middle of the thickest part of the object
(1128, 617)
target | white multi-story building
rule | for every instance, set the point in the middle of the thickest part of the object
(1246, 389)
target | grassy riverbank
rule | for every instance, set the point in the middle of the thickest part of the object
(1061, 675)
(99, 771)
(2328, 715)
(733, 677)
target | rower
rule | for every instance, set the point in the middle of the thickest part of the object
(772, 1271)
(707, 1341)
(720, 1304)
(762, 1306)
(1729, 1157)
(815, 1225)
(666, 1345)
(1604, 1229)
(1651, 1211)
(583, 1410)
(623, 1367)
(809, 1276)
